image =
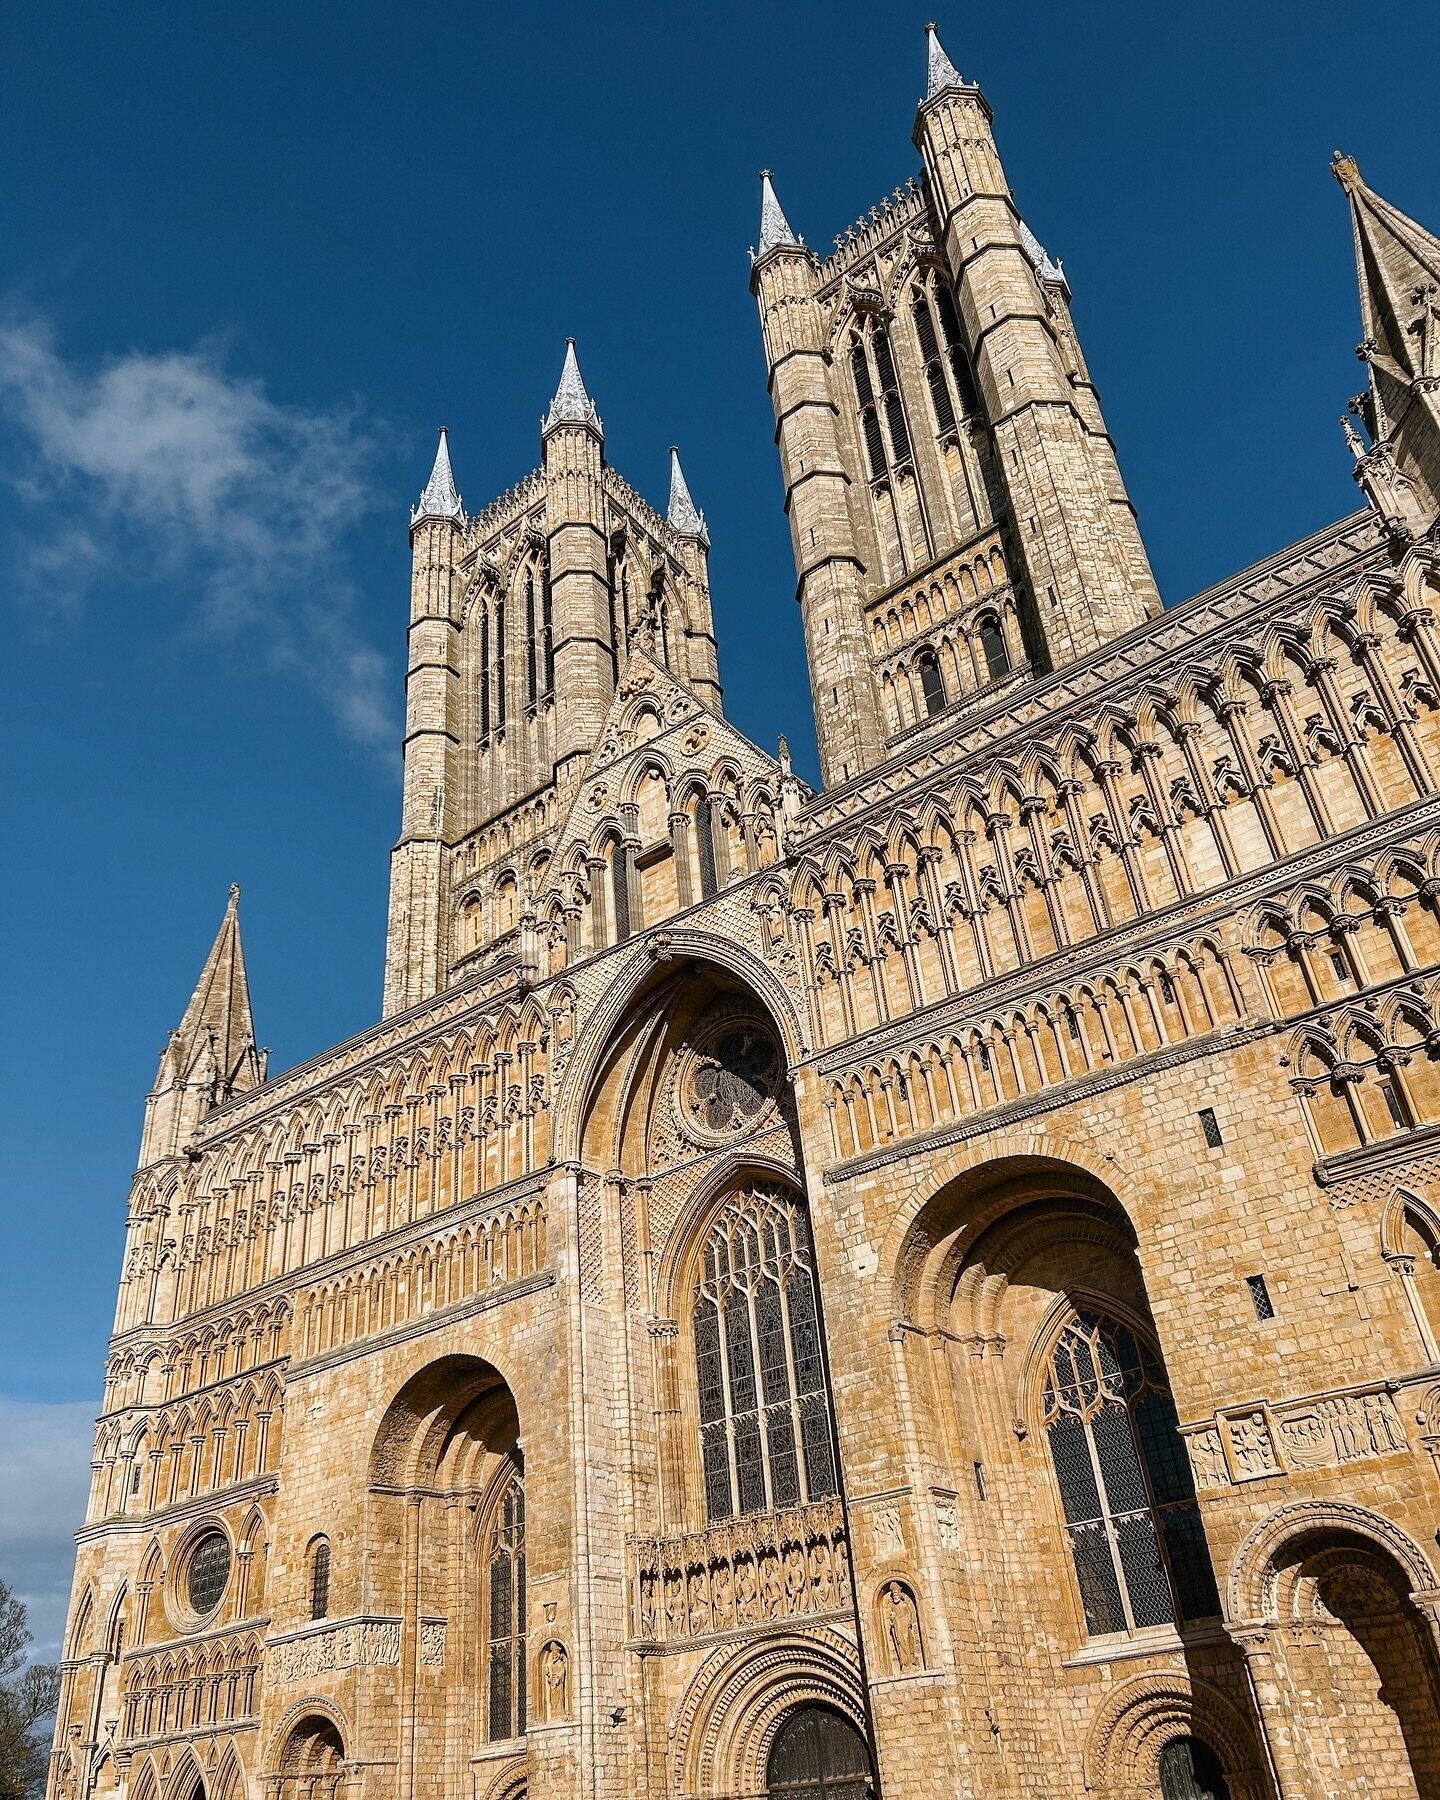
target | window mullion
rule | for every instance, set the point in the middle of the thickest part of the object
(762, 1419)
(792, 1385)
(1108, 1521)
(729, 1399)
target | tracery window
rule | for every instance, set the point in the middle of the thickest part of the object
(766, 1436)
(934, 367)
(505, 1615)
(547, 633)
(484, 675)
(1124, 1478)
(877, 390)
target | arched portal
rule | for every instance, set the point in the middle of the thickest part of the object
(817, 1754)
(312, 1760)
(452, 1434)
(1334, 1588)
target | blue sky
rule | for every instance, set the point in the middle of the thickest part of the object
(250, 258)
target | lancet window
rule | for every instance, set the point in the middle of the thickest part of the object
(877, 389)
(532, 645)
(766, 1436)
(484, 674)
(499, 665)
(505, 1615)
(1124, 1478)
(994, 648)
(934, 365)
(932, 682)
(320, 1578)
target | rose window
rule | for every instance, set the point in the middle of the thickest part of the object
(734, 1080)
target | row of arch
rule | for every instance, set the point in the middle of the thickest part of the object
(1092, 1026)
(901, 619)
(176, 1452)
(949, 666)
(148, 1374)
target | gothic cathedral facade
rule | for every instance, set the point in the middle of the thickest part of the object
(926, 1287)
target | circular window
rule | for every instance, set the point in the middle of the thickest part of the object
(730, 1081)
(207, 1572)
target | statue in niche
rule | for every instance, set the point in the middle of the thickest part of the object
(699, 1603)
(675, 1604)
(796, 1581)
(822, 1575)
(746, 1596)
(555, 1680)
(772, 1594)
(902, 1627)
(722, 1592)
(647, 1605)
(842, 1570)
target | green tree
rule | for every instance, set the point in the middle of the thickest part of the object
(28, 1697)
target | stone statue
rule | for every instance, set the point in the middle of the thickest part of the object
(902, 1627)
(555, 1674)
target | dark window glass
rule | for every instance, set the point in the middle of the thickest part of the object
(705, 846)
(766, 1435)
(890, 393)
(320, 1581)
(620, 883)
(955, 346)
(484, 675)
(1260, 1296)
(500, 666)
(505, 1617)
(532, 648)
(932, 683)
(992, 645)
(1210, 1125)
(547, 622)
(208, 1572)
(1394, 1105)
(1125, 1483)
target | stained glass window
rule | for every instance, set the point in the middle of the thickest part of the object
(1125, 1484)
(505, 1616)
(766, 1434)
(208, 1572)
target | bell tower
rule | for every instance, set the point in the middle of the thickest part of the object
(957, 514)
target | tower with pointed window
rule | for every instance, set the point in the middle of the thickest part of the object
(926, 1285)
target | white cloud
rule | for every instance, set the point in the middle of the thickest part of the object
(45, 1450)
(167, 467)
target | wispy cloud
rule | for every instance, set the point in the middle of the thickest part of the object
(42, 1503)
(169, 468)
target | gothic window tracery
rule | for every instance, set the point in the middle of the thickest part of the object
(766, 1437)
(505, 1614)
(1125, 1484)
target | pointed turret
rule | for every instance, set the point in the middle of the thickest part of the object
(1045, 267)
(439, 500)
(682, 513)
(940, 72)
(212, 1056)
(774, 226)
(572, 405)
(1397, 263)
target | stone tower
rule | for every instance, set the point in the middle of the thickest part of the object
(925, 1288)
(522, 619)
(957, 513)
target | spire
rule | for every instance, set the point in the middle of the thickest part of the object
(774, 226)
(682, 514)
(940, 72)
(1398, 264)
(572, 405)
(440, 500)
(212, 1057)
(218, 1016)
(1040, 256)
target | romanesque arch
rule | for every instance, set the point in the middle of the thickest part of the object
(1337, 1609)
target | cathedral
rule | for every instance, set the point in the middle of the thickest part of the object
(924, 1287)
